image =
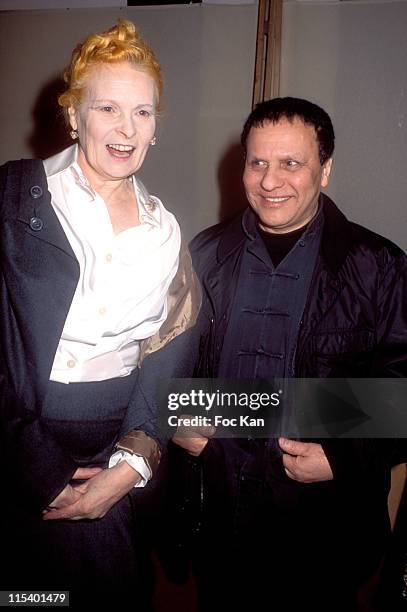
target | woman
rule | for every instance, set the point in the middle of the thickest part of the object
(93, 278)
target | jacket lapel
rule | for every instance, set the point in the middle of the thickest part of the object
(219, 280)
(326, 284)
(40, 275)
(336, 236)
(35, 208)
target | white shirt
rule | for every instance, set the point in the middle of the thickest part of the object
(121, 294)
(120, 298)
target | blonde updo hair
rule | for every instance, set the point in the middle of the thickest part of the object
(122, 43)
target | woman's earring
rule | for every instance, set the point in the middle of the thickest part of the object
(74, 134)
(153, 141)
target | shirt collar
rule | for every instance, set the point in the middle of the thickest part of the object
(149, 209)
(65, 160)
(61, 161)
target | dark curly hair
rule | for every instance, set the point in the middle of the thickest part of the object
(290, 108)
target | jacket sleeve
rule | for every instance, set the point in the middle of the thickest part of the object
(174, 360)
(171, 352)
(368, 458)
(390, 358)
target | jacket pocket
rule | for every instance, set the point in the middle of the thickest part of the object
(346, 353)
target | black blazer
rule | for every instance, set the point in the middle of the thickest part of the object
(39, 275)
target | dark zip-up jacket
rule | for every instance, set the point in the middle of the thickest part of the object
(354, 325)
(357, 304)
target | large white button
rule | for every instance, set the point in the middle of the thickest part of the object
(102, 310)
(71, 363)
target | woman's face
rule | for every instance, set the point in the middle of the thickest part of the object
(115, 121)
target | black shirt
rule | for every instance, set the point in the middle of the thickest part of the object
(279, 245)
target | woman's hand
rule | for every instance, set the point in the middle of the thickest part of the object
(69, 494)
(94, 498)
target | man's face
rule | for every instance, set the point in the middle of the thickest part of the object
(283, 175)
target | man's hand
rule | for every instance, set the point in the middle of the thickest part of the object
(94, 498)
(305, 461)
(193, 439)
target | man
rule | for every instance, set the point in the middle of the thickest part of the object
(293, 289)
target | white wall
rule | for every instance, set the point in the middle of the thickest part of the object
(350, 57)
(207, 56)
(347, 56)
